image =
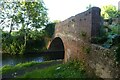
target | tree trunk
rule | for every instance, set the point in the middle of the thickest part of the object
(25, 39)
(11, 26)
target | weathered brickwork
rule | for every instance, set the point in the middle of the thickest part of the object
(75, 33)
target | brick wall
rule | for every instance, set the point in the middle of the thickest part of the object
(75, 33)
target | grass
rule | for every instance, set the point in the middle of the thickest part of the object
(8, 68)
(22, 68)
(71, 69)
(47, 69)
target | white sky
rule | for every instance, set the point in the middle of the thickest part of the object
(63, 9)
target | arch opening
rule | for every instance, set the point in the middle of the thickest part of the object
(57, 47)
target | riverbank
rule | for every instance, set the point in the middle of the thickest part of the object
(37, 57)
(22, 68)
(47, 69)
(72, 69)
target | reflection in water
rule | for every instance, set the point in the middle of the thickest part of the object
(13, 60)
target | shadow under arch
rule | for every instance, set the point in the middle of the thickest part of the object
(57, 46)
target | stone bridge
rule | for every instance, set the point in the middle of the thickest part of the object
(73, 37)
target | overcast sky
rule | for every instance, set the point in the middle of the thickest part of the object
(63, 9)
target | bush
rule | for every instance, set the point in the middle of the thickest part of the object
(14, 44)
(49, 29)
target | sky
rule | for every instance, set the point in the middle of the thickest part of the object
(63, 9)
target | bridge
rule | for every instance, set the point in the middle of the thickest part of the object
(73, 38)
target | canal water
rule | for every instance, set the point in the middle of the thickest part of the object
(16, 59)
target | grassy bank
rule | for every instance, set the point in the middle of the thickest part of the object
(48, 69)
(22, 68)
(67, 70)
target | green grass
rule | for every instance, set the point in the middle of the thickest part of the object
(24, 66)
(71, 69)
(8, 68)
(47, 69)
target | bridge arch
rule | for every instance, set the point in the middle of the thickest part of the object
(56, 45)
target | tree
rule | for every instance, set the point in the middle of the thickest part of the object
(32, 15)
(7, 14)
(26, 15)
(109, 11)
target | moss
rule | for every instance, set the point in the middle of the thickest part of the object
(83, 34)
(86, 49)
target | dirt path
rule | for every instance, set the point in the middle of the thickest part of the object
(29, 69)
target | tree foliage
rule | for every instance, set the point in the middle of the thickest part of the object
(109, 11)
(27, 14)
(28, 17)
(50, 29)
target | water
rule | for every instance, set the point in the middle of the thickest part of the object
(13, 60)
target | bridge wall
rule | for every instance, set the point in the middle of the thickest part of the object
(76, 33)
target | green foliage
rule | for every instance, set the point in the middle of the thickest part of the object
(109, 36)
(56, 21)
(86, 49)
(32, 14)
(110, 40)
(28, 16)
(76, 64)
(49, 29)
(114, 28)
(35, 34)
(112, 35)
(83, 34)
(11, 44)
(109, 11)
(14, 44)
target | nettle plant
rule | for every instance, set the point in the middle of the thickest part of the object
(113, 39)
(113, 36)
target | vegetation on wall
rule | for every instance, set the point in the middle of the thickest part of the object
(86, 49)
(83, 34)
(110, 30)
